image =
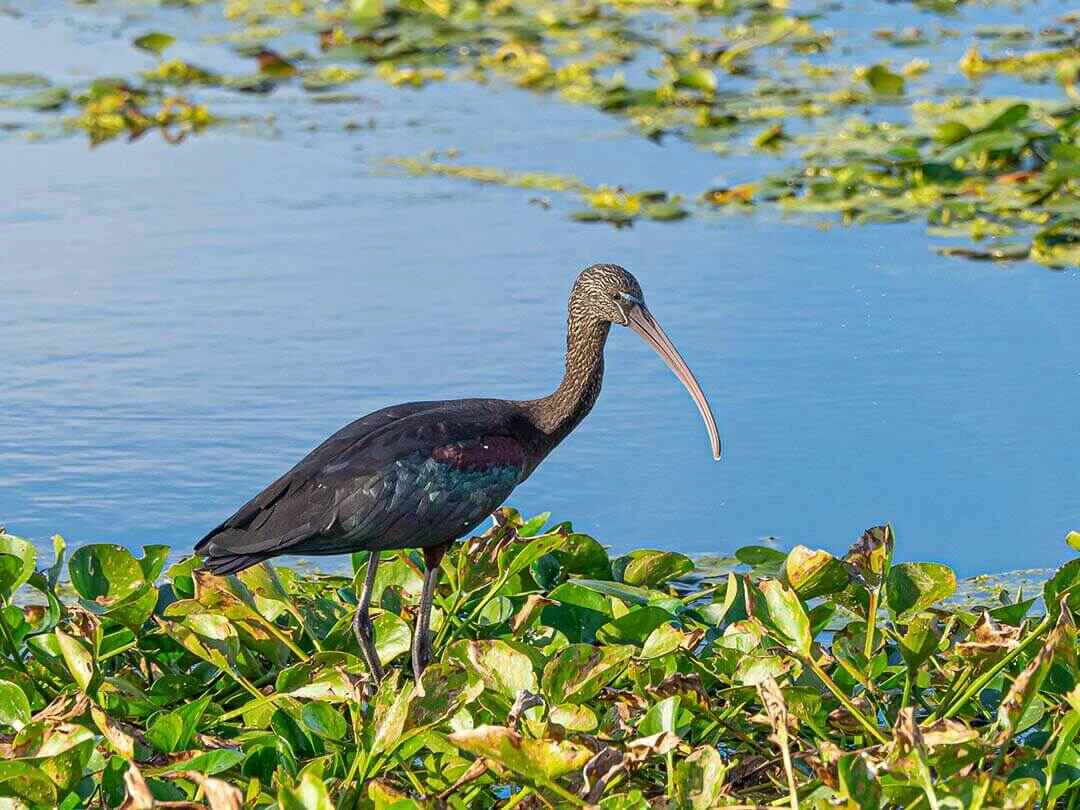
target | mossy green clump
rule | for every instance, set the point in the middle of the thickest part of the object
(561, 677)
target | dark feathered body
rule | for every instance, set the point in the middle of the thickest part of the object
(407, 476)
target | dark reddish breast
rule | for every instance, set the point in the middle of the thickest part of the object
(493, 451)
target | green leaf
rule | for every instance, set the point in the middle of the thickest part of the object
(155, 42)
(393, 636)
(580, 611)
(17, 559)
(173, 731)
(662, 642)
(21, 780)
(323, 719)
(814, 572)
(914, 587)
(699, 779)
(537, 760)
(666, 715)
(78, 660)
(309, 793)
(501, 668)
(1073, 539)
(858, 783)
(920, 639)
(105, 573)
(582, 555)
(633, 627)
(578, 672)
(760, 555)
(212, 762)
(650, 567)
(884, 81)
(787, 615)
(14, 707)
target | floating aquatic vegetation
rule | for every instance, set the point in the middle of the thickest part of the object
(735, 77)
(113, 108)
(562, 676)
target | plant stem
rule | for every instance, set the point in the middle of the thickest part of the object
(980, 683)
(871, 620)
(845, 701)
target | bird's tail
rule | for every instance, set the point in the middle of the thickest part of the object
(220, 560)
(222, 564)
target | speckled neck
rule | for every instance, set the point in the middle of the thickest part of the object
(560, 412)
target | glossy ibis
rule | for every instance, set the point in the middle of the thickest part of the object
(423, 474)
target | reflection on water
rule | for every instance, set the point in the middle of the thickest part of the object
(181, 324)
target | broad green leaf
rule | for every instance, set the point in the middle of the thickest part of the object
(914, 587)
(14, 707)
(814, 572)
(155, 42)
(393, 636)
(501, 667)
(537, 760)
(21, 780)
(77, 658)
(105, 573)
(787, 615)
(580, 554)
(580, 611)
(650, 567)
(662, 642)
(578, 672)
(699, 779)
(858, 783)
(323, 719)
(17, 558)
(633, 627)
(884, 81)
(309, 793)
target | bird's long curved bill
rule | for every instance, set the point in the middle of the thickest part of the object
(642, 322)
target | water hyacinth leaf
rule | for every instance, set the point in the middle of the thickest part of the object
(580, 554)
(814, 572)
(634, 627)
(574, 717)
(155, 42)
(858, 783)
(580, 611)
(324, 720)
(309, 793)
(24, 782)
(787, 614)
(630, 594)
(666, 715)
(662, 642)
(393, 636)
(884, 81)
(62, 753)
(699, 779)
(538, 760)
(650, 567)
(914, 587)
(578, 672)
(17, 559)
(389, 711)
(759, 556)
(14, 706)
(213, 762)
(532, 526)
(501, 667)
(920, 639)
(1073, 540)
(174, 731)
(518, 556)
(32, 81)
(104, 573)
(76, 657)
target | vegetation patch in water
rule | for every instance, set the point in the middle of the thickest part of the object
(735, 77)
(562, 677)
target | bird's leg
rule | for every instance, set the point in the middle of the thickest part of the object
(421, 647)
(362, 623)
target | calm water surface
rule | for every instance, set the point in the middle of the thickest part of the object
(181, 324)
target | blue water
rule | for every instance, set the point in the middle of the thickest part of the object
(180, 324)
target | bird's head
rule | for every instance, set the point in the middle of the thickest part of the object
(609, 293)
